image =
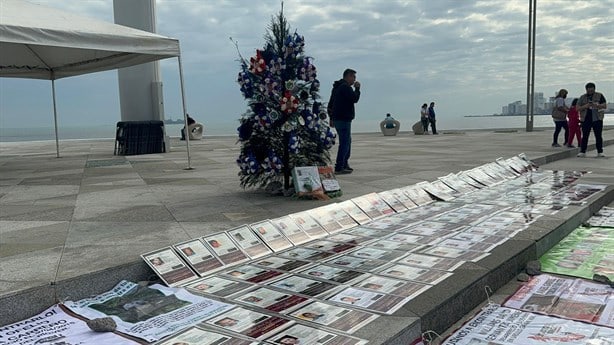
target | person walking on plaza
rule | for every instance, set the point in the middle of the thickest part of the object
(424, 118)
(589, 106)
(432, 119)
(342, 112)
(573, 121)
(559, 115)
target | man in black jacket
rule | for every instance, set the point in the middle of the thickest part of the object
(341, 111)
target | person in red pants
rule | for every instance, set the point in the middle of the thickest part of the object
(574, 124)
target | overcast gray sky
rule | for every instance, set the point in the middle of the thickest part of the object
(470, 57)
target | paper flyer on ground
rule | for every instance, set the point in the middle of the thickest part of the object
(300, 253)
(307, 180)
(248, 242)
(305, 286)
(414, 239)
(302, 334)
(433, 229)
(308, 224)
(54, 326)
(167, 264)
(370, 300)
(291, 230)
(199, 257)
(149, 313)
(247, 322)
(575, 299)
(200, 336)
(330, 246)
(348, 238)
(335, 317)
(356, 263)
(456, 183)
(252, 274)
(453, 253)
(281, 264)
(371, 201)
(505, 326)
(271, 235)
(375, 253)
(429, 261)
(418, 195)
(271, 300)
(226, 250)
(394, 245)
(393, 286)
(217, 286)
(392, 201)
(389, 224)
(417, 274)
(331, 273)
(367, 232)
(400, 195)
(354, 211)
(439, 190)
(325, 218)
(583, 253)
(327, 177)
(603, 218)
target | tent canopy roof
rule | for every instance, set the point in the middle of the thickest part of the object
(44, 43)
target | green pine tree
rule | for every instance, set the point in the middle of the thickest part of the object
(285, 125)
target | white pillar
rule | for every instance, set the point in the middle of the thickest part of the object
(140, 87)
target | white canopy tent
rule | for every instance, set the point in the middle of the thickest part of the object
(44, 43)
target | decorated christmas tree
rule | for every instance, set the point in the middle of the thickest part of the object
(285, 125)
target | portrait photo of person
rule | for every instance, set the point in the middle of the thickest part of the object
(188, 251)
(252, 299)
(309, 316)
(226, 322)
(349, 299)
(157, 261)
(215, 243)
(372, 286)
(202, 287)
(289, 340)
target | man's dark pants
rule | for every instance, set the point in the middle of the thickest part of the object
(597, 127)
(344, 134)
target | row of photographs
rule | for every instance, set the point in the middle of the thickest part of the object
(202, 256)
(364, 270)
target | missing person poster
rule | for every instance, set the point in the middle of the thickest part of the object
(54, 326)
(302, 334)
(575, 299)
(370, 300)
(583, 253)
(149, 313)
(200, 336)
(225, 249)
(501, 325)
(217, 286)
(247, 240)
(247, 322)
(199, 257)
(335, 317)
(167, 264)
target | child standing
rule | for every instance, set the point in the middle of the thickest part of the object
(574, 124)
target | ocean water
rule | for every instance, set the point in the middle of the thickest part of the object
(230, 128)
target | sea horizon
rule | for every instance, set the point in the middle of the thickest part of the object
(107, 131)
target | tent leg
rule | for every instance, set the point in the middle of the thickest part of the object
(185, 114)
(55, 120)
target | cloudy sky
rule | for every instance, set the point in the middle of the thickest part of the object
(468, 56)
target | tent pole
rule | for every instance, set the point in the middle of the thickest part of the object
(185, 114)
(55, 117)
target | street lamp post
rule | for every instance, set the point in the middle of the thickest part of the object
(531, 65)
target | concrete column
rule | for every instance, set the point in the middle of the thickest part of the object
(140, 87)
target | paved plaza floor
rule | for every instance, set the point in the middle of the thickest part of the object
(75, 225)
